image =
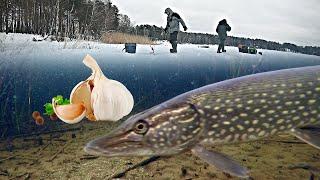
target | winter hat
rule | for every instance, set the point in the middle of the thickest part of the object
(168, 11)
(223, 21)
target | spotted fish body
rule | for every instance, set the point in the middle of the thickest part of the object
(257, 106)
(236, 110)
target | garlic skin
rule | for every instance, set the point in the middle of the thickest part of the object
(110, 100)
(103, 98)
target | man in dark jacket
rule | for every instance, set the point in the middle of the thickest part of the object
(222, 29)
(173, 27)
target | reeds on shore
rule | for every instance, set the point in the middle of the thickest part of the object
(122, 38)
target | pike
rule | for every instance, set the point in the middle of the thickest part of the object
(232, 111)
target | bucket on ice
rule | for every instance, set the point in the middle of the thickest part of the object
(130, 47)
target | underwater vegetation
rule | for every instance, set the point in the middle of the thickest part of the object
(49, 111)
(39, 120)
(59, 100)
(35, 114)
(13, 108)
(237, 110)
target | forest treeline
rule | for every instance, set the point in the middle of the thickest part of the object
(63, 18)
(89, 19)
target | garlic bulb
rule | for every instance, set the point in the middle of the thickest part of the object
(101, 98)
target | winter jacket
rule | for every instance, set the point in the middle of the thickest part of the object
(173, 22)
(222, 29)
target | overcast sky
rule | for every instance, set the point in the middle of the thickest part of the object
(294, 21)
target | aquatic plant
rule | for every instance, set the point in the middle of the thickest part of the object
(20, 103)
(12, 109)
(39, 120)
(59, 100)
(35, 114)
(3, 114)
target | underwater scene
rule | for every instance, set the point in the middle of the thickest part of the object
(87, 93)
(29, 81)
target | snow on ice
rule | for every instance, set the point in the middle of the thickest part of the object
(21, 46)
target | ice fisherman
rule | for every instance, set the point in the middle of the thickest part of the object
(222, 29)
(173, 27)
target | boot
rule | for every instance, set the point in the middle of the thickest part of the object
(219, 49)
(223, 50)
(174, 47)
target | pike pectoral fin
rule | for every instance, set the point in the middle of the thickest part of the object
(220, 161)
(310, 135)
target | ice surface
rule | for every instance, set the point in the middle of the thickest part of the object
(16, 46)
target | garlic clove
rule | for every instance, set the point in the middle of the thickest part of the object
(71, 113)
(81, 93)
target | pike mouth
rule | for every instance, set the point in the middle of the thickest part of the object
(94, 150)
(119, 149)
(98, 146)
(111, 146)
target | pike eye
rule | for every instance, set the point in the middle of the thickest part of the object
(141, 127)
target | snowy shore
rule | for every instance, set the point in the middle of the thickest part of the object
(14, 46)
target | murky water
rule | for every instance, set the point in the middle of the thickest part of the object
(32, 80)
